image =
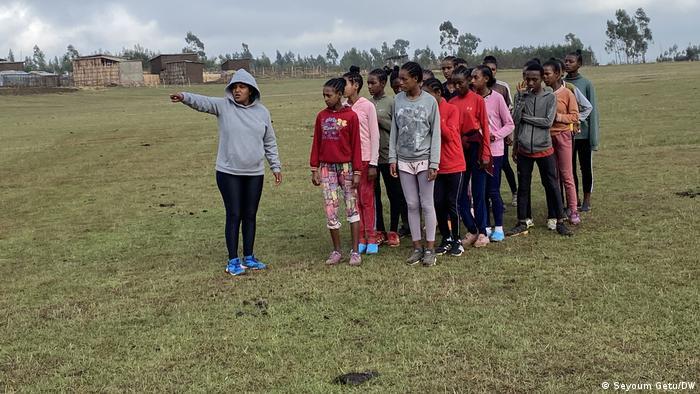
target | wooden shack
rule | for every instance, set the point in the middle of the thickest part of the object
(158, 63)
(237, 64)
(183, 72)
(104, 70)
(11, 66)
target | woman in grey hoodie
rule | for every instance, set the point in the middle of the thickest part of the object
(246, 139)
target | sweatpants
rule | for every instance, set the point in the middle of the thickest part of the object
(582, 150)
(475, 223)
(548, 174)
(447, 188)
(365, 203)
(508, 170)
(563, 151)
(241, 195)
(397, 202)
(419, 197)
(493, 192)
(336, 178)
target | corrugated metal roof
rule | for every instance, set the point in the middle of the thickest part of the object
(13, 72)
(109, 57)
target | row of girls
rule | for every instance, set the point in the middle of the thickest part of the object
(439, 150)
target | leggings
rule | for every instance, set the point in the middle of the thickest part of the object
(419, 196)
(397, 202)
(582, 149)
(475, 178)
(508, 171)
(241, 196)
(493, 193)
(548, 175)
(447, 187)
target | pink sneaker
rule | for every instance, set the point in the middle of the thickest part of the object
(481, 241)
(355, 259)
(575, 219)
(334, 258)
(469, 240)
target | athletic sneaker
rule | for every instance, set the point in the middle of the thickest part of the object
(470, 239)
(563, 230)
(234, 267)
(575, 219)
(489, 230)
(355, 259)
(529, 223)
(552, 224)
(415, 257)
(498, 236)
(362, 246)
(252, 263)
(519, 229)
(481, 241)
(393, 239)
(334, 258)
(381, 238)
(457, 249)
(585, 207)
(429, 258)
(372, 249)
(444, 247)
(514, 201)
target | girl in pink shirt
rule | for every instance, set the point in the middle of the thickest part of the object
(501, 125)
(369, 139)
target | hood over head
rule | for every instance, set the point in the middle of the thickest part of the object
(243, 76)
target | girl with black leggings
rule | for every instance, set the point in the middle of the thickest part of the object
(246, 139)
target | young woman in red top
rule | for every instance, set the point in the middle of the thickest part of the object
(336, 157)
(451, 173)
(476, 144)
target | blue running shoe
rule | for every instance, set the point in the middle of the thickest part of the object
(234, 267)
(497, 236)
(253, 263)
(372, 249)
(361, 248)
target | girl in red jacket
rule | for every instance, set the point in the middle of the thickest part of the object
(336, 159)
(451, 173)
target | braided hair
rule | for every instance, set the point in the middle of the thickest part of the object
(338, 84)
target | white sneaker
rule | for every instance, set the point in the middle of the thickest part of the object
(489, 231)
(552, 224)
(529, 223)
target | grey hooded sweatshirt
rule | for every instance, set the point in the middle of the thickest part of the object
(533, 117)
(246, 136)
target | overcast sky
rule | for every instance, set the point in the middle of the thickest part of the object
(307, 27)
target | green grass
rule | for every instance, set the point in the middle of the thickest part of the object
(104, 289)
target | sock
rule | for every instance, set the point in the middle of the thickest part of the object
(499, 228)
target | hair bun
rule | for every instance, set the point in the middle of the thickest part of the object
(354, 69)
(579, 52)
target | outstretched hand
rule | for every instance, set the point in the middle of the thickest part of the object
(177, 97)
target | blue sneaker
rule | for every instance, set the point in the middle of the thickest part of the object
(372, 249)
(253, 263)
(498, 236)
(361, 248)
(234, 267)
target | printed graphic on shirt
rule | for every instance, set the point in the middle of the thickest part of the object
(411, 121)
(331, 128)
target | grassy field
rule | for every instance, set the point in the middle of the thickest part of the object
(112, 258)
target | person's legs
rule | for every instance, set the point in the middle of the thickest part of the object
(548, 174)
(454, 185)
(563, 149)
(524, 166)
(397, 202)
(409, 184)
(352, 211)
(586, 158)
(493, 187)
(426, 191)
(252, 192)
(330, 186)
(465, 203)
(441, 205)
(230, 189)
(378, 205)
(508, 171)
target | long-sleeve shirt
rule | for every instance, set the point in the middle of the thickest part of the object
(589, 127)
(451, 154)
(415, 130)
(567, 111)
(473, 117)
(584, 106)
(336, 138)
(369, 129)
(385, 110)
(500, 121)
